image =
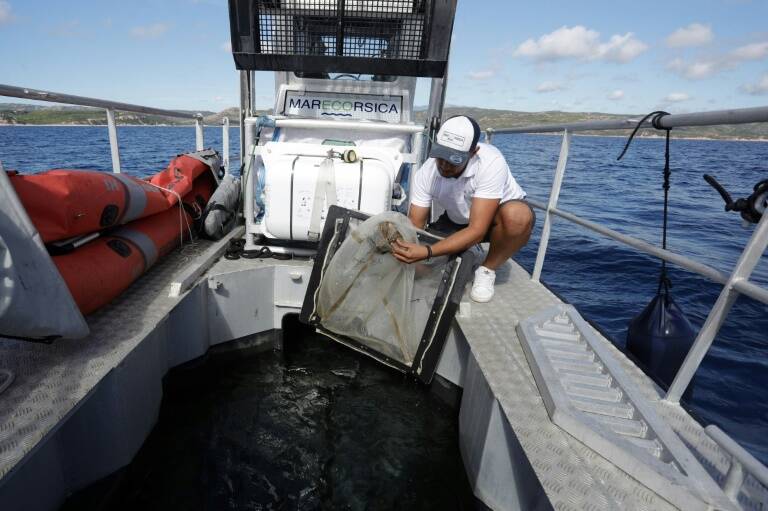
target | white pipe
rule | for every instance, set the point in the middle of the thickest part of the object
(225, 143)
(113, 145)
(56, 97)
(353, 125)
(554, 195)
(199, 142)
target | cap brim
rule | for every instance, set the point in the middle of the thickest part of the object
(452, 156)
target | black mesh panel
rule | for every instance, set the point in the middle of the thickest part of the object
(328, 35)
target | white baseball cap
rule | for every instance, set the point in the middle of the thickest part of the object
(456, 140)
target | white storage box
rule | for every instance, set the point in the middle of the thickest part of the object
(291, 173)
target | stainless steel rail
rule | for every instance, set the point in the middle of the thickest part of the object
(740, 460)
(68, 99)
(110, 107)
(735, 283)
(714, 118)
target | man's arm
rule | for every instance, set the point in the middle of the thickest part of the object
(480, 217)
(418, 215)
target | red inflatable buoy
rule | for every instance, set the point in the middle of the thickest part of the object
(64, 204)
(99, 271)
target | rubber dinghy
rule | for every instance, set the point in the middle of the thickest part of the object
(99, 271)
(69, 203)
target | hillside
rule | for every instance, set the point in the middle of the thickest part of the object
(14, 113)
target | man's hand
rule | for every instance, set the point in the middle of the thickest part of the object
(408, 252)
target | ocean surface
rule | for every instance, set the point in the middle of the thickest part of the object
(606, 281)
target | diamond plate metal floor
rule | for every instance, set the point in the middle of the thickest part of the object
(573, 476)
(51, 380)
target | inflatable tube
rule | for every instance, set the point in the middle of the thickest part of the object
(99, 271)
(69, 203)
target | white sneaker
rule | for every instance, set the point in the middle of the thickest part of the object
(482, 288)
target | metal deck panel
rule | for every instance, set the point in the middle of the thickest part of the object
(53, 379)
(572, 475)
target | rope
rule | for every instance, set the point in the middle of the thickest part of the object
(236, 250)
(664, 281)
(182, 218)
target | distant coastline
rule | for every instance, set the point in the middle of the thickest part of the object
(234, 126)
(15, 114)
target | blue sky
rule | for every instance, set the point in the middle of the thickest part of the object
(591, 55)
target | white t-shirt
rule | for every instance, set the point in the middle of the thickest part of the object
(487, 176)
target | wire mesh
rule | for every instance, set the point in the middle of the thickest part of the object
(378, 29)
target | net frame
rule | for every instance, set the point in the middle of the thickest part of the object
(456, 273)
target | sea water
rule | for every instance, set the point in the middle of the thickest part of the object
(317, 426)
(608, 282)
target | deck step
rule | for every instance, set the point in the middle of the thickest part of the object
(588, 394)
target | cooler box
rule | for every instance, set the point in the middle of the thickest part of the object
(291, 174)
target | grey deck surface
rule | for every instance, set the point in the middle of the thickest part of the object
(52, 379)
(573, 476)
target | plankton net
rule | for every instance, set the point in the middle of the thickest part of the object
(361, 296)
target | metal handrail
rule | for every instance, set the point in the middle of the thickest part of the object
(713, 118)
(68, 99)
(735, 283)
(740, 459)
(388, 127)
(111, 107)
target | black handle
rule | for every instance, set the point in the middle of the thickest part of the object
(722, 191)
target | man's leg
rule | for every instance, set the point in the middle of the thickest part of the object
(510, 231)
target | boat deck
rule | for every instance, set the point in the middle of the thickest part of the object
(51, 380)
(572, 475)
(136, 339)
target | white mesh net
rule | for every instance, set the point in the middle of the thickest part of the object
(370, 296)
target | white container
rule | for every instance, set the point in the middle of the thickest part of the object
(291, 173)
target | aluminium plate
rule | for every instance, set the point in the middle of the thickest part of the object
(589, 395)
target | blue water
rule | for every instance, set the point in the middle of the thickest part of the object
(607, 282)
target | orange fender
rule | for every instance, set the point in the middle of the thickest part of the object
(99, 271)
(68, 203)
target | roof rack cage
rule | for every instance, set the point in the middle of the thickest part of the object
(315, 37)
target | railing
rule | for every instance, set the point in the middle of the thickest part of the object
(735, 283)
(111, 107)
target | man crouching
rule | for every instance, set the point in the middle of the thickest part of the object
(482, 202)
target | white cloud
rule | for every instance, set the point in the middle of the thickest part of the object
(5, 12)
(149, 31)
(481, 75)
(616, 95)
(549, 87)
(694, 34)
(227, 46)
(754, 51)
(757, 89)
(581, 43)
(677, 97)
(621, 48)
(698, 69)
